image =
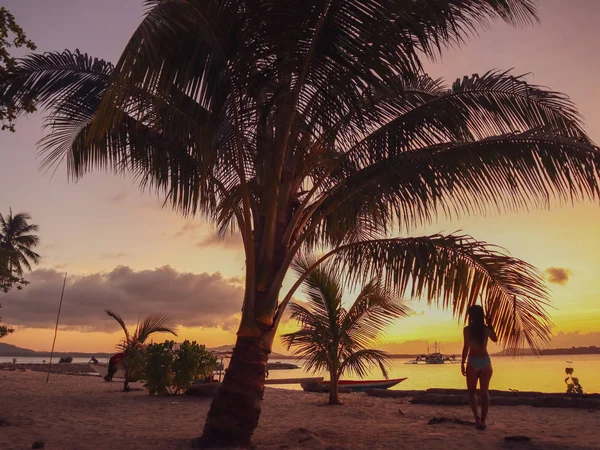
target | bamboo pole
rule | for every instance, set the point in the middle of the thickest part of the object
(56, 327)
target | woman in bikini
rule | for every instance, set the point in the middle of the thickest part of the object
(479, 365)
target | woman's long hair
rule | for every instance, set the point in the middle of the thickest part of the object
(476, 323)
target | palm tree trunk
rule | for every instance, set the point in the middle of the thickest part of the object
(234, 413)
(334, 398)
(126, 382)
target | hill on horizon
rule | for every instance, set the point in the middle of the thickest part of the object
(9, 350)
(14, 351)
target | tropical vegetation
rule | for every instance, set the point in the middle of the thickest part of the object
(573, 385)
(17, 239)
(133, 345)
(171, 369)
(11, 36)
(311, 126)
(335, 339)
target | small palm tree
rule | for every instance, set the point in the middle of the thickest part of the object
(17, 239)
(133, 344)
(336, 339)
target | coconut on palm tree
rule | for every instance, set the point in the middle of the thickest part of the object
(17, 239)
(303, 125)
(133, 344)
(334, 339)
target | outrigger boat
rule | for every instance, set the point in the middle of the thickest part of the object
(433, 358)
(353, 385)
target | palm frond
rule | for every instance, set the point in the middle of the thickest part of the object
(154, 324)
(361, 361)
(474, 108)
(456, 272)
(323, 288)
(121, 322)
(534, 169)
(374, 309)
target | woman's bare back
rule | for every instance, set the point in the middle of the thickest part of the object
(477, 348)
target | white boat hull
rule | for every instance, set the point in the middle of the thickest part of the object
(102, 370)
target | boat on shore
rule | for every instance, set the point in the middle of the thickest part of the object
(351, 385)
(102, 370)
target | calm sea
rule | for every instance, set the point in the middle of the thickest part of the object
(527, 373)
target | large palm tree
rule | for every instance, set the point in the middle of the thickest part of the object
(17, 239)
(335, 339)
(311, 125)
(132, 345)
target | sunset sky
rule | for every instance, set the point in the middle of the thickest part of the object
(122, 250)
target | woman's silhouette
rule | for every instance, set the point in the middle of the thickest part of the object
(479, 365)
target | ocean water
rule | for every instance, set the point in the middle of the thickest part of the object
(526, 373)
(40, 360)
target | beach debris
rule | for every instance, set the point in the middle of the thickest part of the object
(4, 423)
(400, 411)
(38, 444)
(436, 420)
(305, 437)
(517, 438)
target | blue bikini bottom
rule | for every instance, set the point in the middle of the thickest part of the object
(479, 363)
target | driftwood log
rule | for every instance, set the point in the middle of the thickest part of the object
(503, 398)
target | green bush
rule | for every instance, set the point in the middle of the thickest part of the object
(172, 371)
(573, 386)
(158, 368)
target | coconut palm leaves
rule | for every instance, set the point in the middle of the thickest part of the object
(333, 338)
(17, 239)
(452, 272)
(133, 344)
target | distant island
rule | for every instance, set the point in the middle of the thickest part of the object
(8, 350)
(14, 351)
(591, 350)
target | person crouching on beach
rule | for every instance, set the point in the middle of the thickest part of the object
(479, 364)
(113, 365)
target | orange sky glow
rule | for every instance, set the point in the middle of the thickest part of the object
(113, 240)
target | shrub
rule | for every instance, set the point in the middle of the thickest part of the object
(65, 359)
(158, 364)
(170, 370)
(191, 361)
(573, 386)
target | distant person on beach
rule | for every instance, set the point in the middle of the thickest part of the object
(113, 365)
(93, 360)
(479, 364)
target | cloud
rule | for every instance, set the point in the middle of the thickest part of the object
(193, 300)
(118, 198)
(558, 275)
(227, 241)
(113, 255)
(188, 230)
(575, 339)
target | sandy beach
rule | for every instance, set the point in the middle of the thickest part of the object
(81, 412)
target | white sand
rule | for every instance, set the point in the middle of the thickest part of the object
(76, 412)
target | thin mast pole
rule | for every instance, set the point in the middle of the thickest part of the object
(56, 326)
